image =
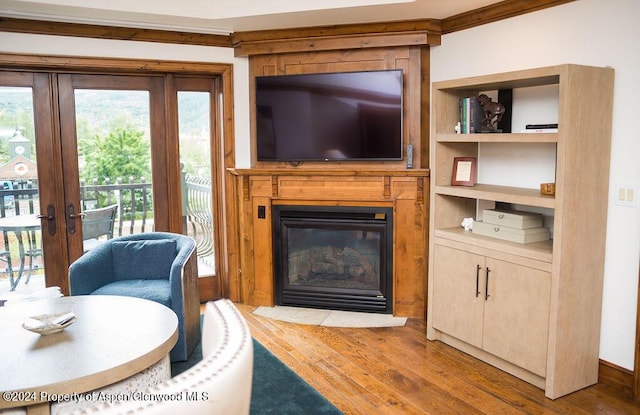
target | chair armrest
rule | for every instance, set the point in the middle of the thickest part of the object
(183, 265)
(185, 296)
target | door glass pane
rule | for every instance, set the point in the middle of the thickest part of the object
(195, 159)
(21, 255)
(114, 161)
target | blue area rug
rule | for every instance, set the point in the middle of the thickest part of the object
(276, 389)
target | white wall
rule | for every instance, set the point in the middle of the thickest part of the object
(589, 32)
(592, 32)
(73, 46)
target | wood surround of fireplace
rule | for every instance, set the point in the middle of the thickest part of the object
(406, 192)
(381, 183)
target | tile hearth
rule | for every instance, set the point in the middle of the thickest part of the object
(330, 318)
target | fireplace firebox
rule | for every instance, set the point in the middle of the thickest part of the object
(333, 257)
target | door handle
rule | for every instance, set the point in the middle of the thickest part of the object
(486, 284)
(71, 218)
(51, 219)
(478, 268)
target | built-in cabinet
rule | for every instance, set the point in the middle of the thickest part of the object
(530, 309)
(498, 306)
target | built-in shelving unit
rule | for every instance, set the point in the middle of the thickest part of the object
(531, 309)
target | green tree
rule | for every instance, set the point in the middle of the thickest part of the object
(122, 153)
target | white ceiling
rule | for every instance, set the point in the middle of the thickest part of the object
(227, 16)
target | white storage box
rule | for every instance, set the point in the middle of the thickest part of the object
(522, 236)
(512, 218)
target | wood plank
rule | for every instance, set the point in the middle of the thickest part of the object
(331, 43)
(619, 378)
(422, 25)
(579, 265)
(524, 196)
(337, 37)
(397, 370)
(331, 172)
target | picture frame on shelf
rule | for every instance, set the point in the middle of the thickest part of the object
(464, 171)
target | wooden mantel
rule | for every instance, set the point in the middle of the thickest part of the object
(339, 172)
(405, 191)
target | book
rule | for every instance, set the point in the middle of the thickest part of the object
(476, 115)
(471, 115)
(464, 124)
(541, 126)
(539, 130)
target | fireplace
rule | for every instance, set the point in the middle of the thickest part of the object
(333, 257)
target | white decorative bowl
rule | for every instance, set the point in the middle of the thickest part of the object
(49, 323)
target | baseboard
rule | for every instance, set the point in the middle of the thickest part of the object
(618, 378)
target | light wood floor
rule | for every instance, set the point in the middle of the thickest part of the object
(398, 371)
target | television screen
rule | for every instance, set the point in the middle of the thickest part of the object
(329, 116)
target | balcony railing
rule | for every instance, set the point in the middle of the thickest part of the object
(135, 204)
(135, 210)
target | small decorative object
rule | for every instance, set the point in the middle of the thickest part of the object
(49, 323)
(548, 189)
(467, 224)
(493, 112)
(457, 128)
(464, 171)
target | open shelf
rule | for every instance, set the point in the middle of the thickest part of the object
(517, 195)
(541, 251)
(498, 138)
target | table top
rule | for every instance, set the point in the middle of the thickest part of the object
(112, 339)
(30, 221)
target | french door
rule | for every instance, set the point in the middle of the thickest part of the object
(102, 141)
(113, 131)
(32, 191)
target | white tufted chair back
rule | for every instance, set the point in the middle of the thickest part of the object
(219, 384)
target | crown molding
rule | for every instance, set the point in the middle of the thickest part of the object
(42, 27)
(383, 34)
(495, 12)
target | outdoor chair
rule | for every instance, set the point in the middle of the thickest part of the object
(33, 252)
(157, 266)
(5, 256)
(96, 223)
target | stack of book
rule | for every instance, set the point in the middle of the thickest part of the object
(471, 115)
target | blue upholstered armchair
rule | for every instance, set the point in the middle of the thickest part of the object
(158, 266)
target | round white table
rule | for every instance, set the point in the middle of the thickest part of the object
(112, 339)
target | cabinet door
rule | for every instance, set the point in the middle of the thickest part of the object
(457, 294)
(516, 315)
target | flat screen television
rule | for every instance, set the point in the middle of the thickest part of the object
(329, 116)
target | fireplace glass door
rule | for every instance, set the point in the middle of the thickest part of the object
(334, 258)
